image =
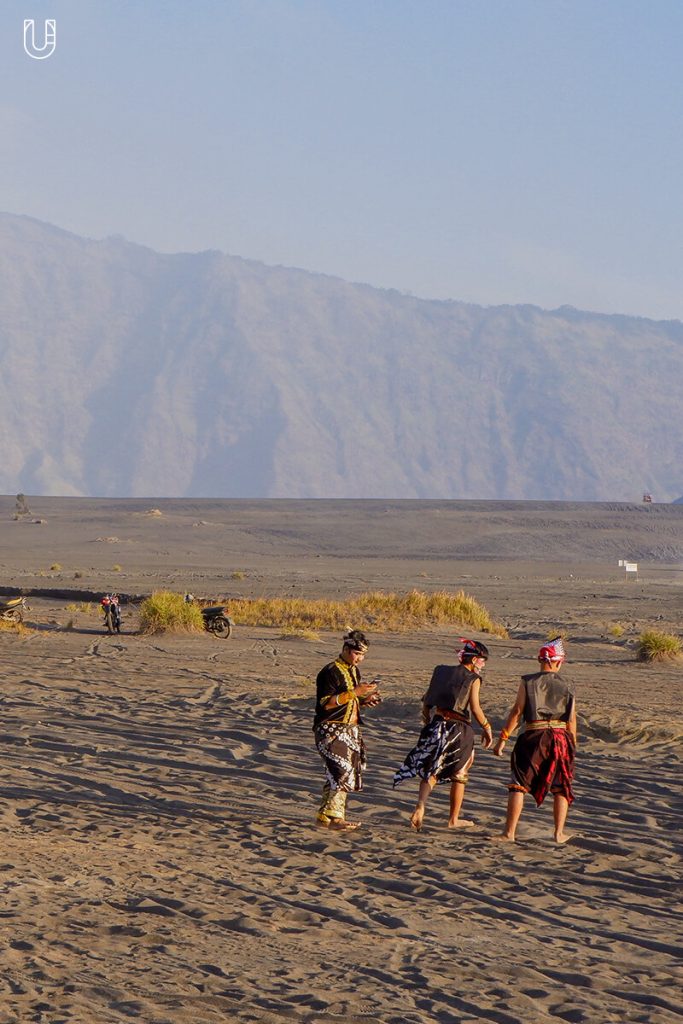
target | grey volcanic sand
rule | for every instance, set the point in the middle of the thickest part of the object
(159, 861)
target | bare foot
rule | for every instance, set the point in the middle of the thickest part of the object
(416, 818)
(460, 823)
(502, 838)
(562, 837)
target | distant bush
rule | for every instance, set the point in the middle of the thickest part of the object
(84, 607)
(166, 612)
(55, 567)
(555, 632)
(617, 630)
(655, 645)
(376, 610)
(238, 574)
(116, 568)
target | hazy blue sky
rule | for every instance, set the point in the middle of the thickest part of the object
(496, 151)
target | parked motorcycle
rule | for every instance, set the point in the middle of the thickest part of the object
(112, 613)
(217, 622)
(13, 608)
(216, 619)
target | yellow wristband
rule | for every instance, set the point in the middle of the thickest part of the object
(504, 734)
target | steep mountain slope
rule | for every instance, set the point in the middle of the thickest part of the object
(125, 371)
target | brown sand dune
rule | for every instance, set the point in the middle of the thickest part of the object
(159, 861)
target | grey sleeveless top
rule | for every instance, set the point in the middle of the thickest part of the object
(547, 697)
(450, 688)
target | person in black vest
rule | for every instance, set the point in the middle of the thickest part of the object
(339, 696)
(444, 751)
(543, 756)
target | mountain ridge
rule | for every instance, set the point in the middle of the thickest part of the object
(225, 377)
(565, 308)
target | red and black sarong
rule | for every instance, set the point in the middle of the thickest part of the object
(543, 761)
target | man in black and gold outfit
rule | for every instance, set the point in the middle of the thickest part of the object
(337, 722)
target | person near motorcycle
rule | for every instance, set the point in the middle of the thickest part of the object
(112, 612)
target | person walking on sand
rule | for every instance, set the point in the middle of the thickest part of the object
(444, 751)
(543, 756)
(337, 729)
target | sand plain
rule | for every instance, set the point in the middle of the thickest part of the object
(159, 861)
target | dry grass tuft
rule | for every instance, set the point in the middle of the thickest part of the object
(11, 626)
(83, 607)
(300, 634)
(166, 612)
(373, 610)
(655, 645)
(55, 567)
(617, 630)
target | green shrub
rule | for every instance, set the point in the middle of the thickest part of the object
(655, 645)
(166, 612)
